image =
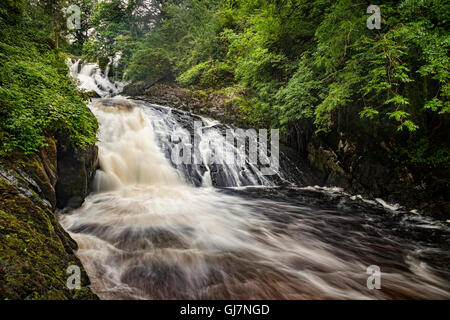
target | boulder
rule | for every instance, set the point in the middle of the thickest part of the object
(35, 251)
(76, 168)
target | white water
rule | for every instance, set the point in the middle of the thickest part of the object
(91, 79)
(215, 169)
(128, 152)
(148, 233)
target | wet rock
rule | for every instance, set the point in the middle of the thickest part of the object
(326, 161)
(76, 167)
(135, 89)
(34, 176)
(369, 169)
(93, 94)
(35, 251)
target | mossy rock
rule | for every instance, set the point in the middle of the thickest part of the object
(35, 251)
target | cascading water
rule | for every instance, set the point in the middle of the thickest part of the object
(212, 169)
(147, 231)
(92, 79)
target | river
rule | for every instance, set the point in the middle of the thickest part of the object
(154, 229)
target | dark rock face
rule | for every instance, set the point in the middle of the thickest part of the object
(35, 251)
(135, 89)
(76, 167)
(370, 170)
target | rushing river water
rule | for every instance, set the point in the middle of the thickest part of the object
(153, 229)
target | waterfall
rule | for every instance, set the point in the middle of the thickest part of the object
(92, 79)
(155, 229)
(128, 152)
(214, 169)
(136, 147)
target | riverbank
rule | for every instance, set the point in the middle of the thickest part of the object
(47, 157)
(35, 251)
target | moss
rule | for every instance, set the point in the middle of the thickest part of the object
(35, 172)
(34, 251)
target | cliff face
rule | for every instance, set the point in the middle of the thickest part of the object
(76, 168)
(371, 168)
(35, 251)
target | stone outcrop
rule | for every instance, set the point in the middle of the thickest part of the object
(35, 251)
(76, 167)
(370, 170)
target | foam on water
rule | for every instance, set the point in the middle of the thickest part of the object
(147, 231)
(91, 79)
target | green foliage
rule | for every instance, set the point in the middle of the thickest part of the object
(11, 11)
(119, 28)
(80, 36)
(294, 61)
(423, 153)
(36, 95)
(158, 60)
(297, 100)
(187, 36)
(207, 75)
(194, 74)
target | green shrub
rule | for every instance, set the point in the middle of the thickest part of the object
(207, 75)
(37, 97)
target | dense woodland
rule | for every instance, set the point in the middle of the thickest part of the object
(36, 96)
(290, 64)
